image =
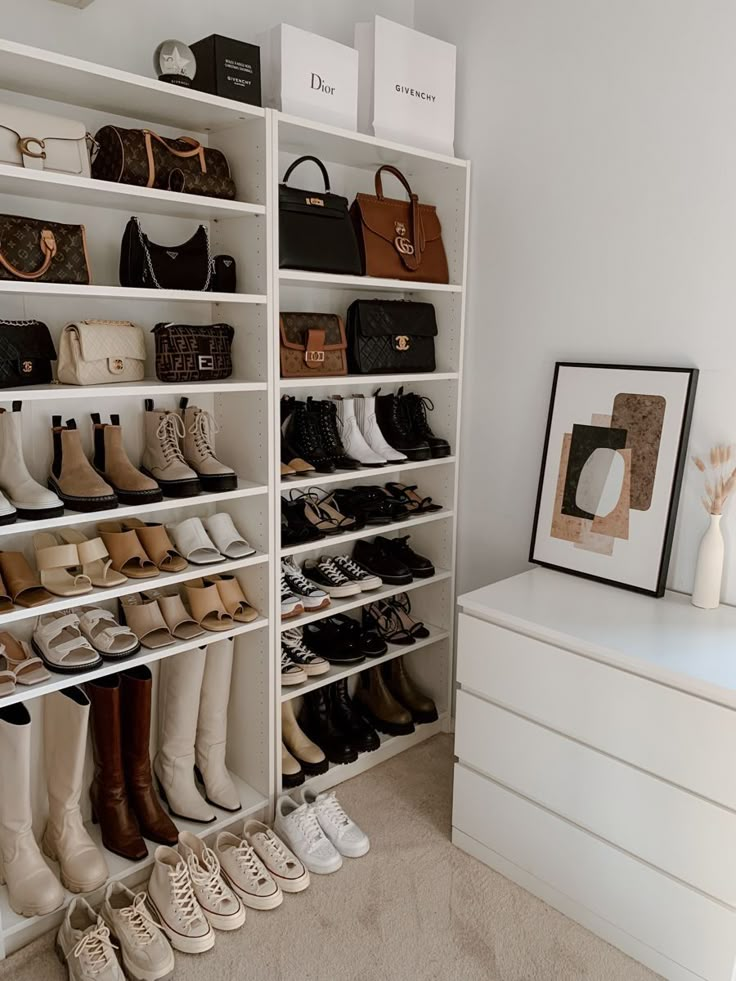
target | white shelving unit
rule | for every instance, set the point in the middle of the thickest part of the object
(259, 144)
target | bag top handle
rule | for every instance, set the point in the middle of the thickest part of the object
(398, 175)
(316, 160)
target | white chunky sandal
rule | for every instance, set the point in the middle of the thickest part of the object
(105, 634)
(59, 643)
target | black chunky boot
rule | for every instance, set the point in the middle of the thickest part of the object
(316, 720)
(325, 412)
(303, 434)
(397, 429)
(415, 408)
(349, 721)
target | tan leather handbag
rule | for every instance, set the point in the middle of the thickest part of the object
(312, 344)
(399, 239)
(101, 352)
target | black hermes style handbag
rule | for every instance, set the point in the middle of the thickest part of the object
(316, 232)
(390, 336)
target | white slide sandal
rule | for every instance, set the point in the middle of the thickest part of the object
(221, 529)
(193, 542)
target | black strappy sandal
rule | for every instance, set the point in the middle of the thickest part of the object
(407, 495)
(401, 604)
(385, 621)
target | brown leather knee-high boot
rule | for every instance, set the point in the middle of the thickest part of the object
(135, 712)
(108, 793)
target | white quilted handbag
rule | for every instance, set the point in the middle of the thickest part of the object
(98, 352)
(38, 141)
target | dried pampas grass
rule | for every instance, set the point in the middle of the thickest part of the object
(720, 478)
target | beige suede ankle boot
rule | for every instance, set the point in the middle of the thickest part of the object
(112, 462)
(162, 456)
(73, 477)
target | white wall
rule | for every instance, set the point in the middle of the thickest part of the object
(603, 140)
(124, 33)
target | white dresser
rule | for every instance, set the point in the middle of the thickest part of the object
(596, 745)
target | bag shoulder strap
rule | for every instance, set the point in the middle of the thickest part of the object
(315, 160)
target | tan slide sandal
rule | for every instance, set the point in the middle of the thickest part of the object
(54, 562)
(155, 540)
(233, 598)
(6, 602)
(22, 582)
(127, 554)
(94, 559)
(146, 621)
(28, 670)
(181, 624)
(206, 605)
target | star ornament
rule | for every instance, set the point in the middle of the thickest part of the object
(178, 61)
(174, 58)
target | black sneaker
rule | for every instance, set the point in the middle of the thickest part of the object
(311, 663)
(310, 596)
(330, 640)
(325, 573)
(353, 571)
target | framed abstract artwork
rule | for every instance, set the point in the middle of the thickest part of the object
(614, 456)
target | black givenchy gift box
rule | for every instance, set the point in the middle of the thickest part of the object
(228, 68)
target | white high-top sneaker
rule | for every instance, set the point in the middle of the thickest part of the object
(365, 412)
(219, 903)
(171, 897)
(83, 944)
(146, 953)
(342, 831)
(300, 829)
(352, 438)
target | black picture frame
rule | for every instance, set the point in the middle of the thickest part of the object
(659, 586)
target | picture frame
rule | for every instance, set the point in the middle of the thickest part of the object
(615, 449)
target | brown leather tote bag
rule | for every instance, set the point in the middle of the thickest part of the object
(399, 239)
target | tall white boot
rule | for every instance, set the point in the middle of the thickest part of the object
(365, 412)
(211, 741)
(33, 889)
(66, 841)
(26, 495)
(352, 438)
(180, 684)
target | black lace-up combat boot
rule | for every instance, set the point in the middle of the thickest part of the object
(414, 407)
(396, 426)
(325, 412)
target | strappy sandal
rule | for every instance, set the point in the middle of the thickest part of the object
(28, 670)
(7, 677)
(206, 606)
(112, 639)
(93, 558)
(385, 621)
(145, 619)
(233, 598)
(320, 513)
(54, 562)
(157, 544)
(59, 643)
(402, 605)
(194, 543)
(126, 552)
(21, 581)
(180, 623)
(221, 529)
(407, 495)
(6, 603)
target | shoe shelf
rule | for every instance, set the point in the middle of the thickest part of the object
(126, 293)
(368, 532)
(363, 599)
(347, 476)
(347, 381)
(337, 672)
(297, 277)
(148, 388)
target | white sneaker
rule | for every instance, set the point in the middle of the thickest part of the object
(146, 953)
(299, 827)
(246, 873)
(284, 866)
(171, 897)
(219, 903)
(83, 943)
(342, 831)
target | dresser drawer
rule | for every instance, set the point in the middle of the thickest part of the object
(680, 737)
(677, 921)
(678, 832)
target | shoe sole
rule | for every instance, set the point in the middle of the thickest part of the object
(313, 769)
(395, 580)
(423, 573)
(215, 485)
(38, 514)
(438, 453)
(384, 726)
(84, 505)
(425, 718)
(344, 660)
(176, 488)
(52, 666)
(290, 614)
(187, 945)
(293, 679)
(10, 518)
(321, 605)
(340, 592)
(415, 454)
(251, 901)
(289, 781)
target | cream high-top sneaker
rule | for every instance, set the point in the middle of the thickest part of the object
(33, 889)
(26, 495)
(199, 449)
(162, 457)
(171, 894)
(211, 741)
(66, 841)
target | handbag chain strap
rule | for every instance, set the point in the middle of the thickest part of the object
(149, 264)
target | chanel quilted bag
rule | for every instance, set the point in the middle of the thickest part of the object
(26, 353)
(176, 267)
(390, 336)
(187, 353)
(399, 239)
(312, 344)
(315, 231)
(42, 251)
(145, 159)
(99, 352)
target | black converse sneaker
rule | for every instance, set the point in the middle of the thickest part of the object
(356, 573)
(291, 673)
(310, 596)
(291, 605)
(326, 574)
(311, 664)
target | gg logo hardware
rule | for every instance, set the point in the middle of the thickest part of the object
(24, 145)
(26, 367)
(401, 342)
(318, 202)
(402, 243)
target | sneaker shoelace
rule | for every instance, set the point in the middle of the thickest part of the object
(206, 875)
(141, 924)
(248, 863)
(204, 429)
(346, 565)
(299, 581)
(295, 647)
(328, 568)
(308, 825)
(333, 810)
(286, 592)
(169, 431)
(182, 896)
(286, 661)
(277, 853)
(94, 950)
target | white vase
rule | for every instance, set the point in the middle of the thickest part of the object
(709, 567)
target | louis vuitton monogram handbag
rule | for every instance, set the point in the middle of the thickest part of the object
(312, 344)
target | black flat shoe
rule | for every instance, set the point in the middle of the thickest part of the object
(379, 561)
(332, 641)
(398, 549)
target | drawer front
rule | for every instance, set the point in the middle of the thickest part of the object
(684, 835)
(675, 920)
(684, 739)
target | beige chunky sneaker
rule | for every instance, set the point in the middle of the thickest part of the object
(172, 900)
(162, 457)
(83, 943)
(144, 949)
(198, 448)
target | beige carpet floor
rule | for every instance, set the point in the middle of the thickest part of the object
(413, 909)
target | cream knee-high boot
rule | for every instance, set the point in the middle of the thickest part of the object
(212, 727)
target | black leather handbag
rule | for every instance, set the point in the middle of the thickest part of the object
(26, 353)
(390, 336)
(193, 353)
(316, 232)
(145, 264)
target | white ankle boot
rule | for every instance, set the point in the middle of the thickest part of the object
(83, 866)
(211, 741)
(33, 889)
(352, 438)
(179, 687)
(25, 494)
(171, 895)
(365, 412)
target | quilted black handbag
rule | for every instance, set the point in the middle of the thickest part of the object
(316, 232)
(390, 336)
(26, 353)
(186, 353)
